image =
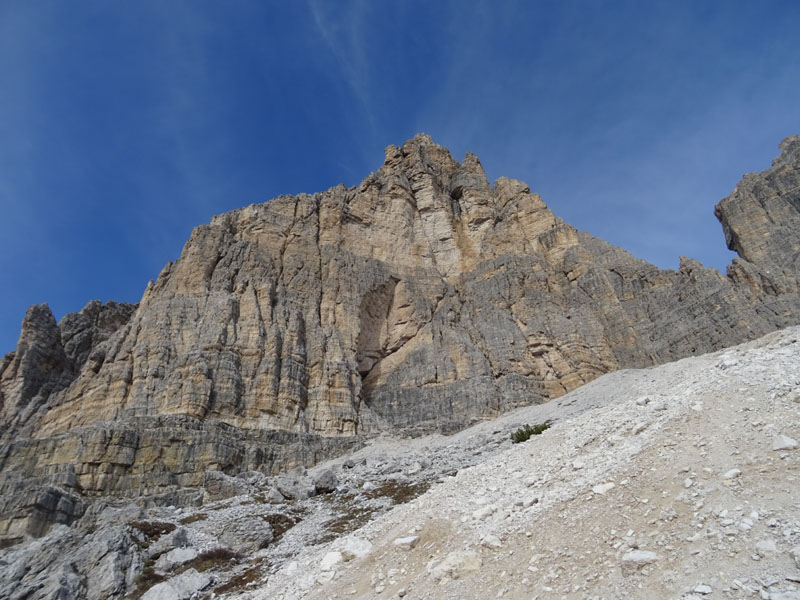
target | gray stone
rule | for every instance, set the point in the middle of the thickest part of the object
(247, 534)
(330, 560)
(296, 487)
(732, 474)
(603, 488)
(325, 482)
(354, 547)
(219, 486)
(456, 565)
(704, 589)
(175, 557)
(636, 560)
(484, 512)
(406, 543)
(766, 546)
(784, 442)
(180, 587)
(491, 541)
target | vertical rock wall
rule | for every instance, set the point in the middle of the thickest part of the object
(425, 298)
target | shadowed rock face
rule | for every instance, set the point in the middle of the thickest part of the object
(425, 298)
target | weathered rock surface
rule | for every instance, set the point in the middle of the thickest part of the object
(425, 298)
(761, 220)
(181, 587)
(647, 537)
(384, 532)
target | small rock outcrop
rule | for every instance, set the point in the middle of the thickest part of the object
(426, 298)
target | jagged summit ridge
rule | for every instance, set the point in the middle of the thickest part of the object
(424, 298)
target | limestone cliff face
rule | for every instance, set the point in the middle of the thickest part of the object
(761, 220)
(424, 298)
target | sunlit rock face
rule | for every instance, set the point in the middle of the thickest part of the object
(425, 298)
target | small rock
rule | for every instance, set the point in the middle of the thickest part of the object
(415, 468)
(325, 482)
(295, 486)
(766, 546)
(456, 564)
(578, 465)
(795, 552)
(687, 483)
(703, 589)
(783, 442)
(355, 548)
(530, 501)
(180, 586)
(330, 560)
(484, 512)
(219, 486)
(636, 559)
(642, 401)
(273, 496)
(180, 538)
(406, 543)
(732, 474)
(491, 541)
(247, 534)
(175, 557)
(602, 488)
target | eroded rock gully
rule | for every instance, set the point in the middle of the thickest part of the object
(424, 299)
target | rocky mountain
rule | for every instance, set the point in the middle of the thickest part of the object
(677, 481)
(423, 299)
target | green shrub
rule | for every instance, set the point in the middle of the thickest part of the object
(526, 431)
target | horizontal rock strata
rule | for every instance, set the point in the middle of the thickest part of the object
(425, 298)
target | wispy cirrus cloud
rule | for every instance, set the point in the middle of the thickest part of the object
(342, 27)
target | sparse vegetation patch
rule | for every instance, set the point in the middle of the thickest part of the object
(153, 530)
(281, 523)
(399, 492)
(194, 518)
(146, 579)
(211, 559)
(246, 578)
(524, 433)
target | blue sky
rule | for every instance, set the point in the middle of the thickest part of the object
(124, 125)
